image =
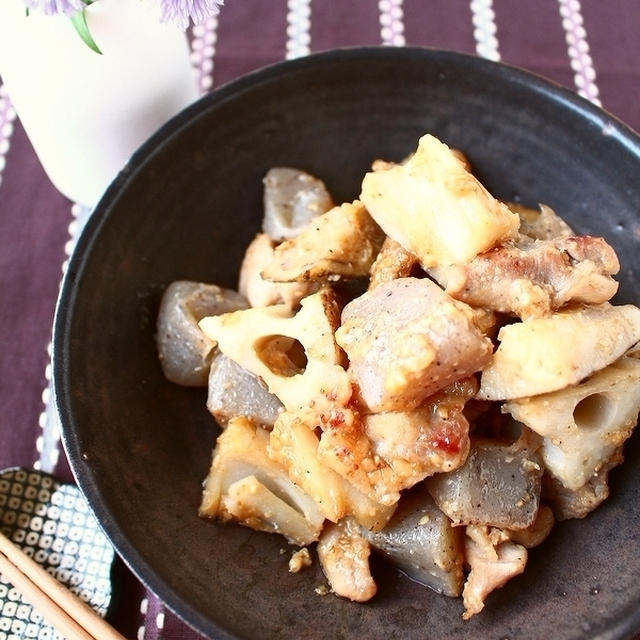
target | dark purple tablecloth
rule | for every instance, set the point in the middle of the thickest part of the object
(591, 46)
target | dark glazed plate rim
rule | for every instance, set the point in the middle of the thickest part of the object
(86, 480)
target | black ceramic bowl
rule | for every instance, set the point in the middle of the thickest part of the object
(185, 208)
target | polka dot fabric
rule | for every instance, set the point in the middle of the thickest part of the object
(52, 524)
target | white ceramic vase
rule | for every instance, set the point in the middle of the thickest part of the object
(86, 113)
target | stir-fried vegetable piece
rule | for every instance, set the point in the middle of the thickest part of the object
(498, 486)
(185, 352)
(421, 541)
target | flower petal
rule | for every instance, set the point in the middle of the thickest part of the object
(181, 11)
(50, 7)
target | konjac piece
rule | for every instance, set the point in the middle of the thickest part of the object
(421, 541)
(499, 486)
(185, 352)
(292, 198)
(234, 391)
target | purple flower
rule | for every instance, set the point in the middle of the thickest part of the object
(49, 7)
(181, 11)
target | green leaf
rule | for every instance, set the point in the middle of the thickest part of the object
(79, 22)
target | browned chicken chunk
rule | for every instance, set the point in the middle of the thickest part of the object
(260, 292)
(344, 557)
(392, 262)
(431, 439)
(343, 242)
(541, 224)
(492, 566)
(530, 279)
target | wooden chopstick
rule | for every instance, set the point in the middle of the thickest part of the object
(72, 617)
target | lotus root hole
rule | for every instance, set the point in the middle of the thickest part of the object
(593, 411)
(284, 356)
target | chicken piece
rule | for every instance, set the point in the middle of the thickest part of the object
(406, 340)
(263, 293)
(540, 355)
(431, 439)
(234, 391)
(421, 541)
(185, 352)
(294, 445)
(245, 485)
(391, 263)
(582, 425)
(579, 503)
(292, 198)
(541, 224)
(344, 557)
(498, 485)
(530, 279)
(487, 321)
(345, 448)
(435, 208)
(343, 242)
(383, 454)
(263, 341)
(491, 567)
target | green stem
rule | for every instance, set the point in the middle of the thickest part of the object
(79, 22)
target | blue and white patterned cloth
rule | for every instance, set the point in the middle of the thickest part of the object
(53, 525)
